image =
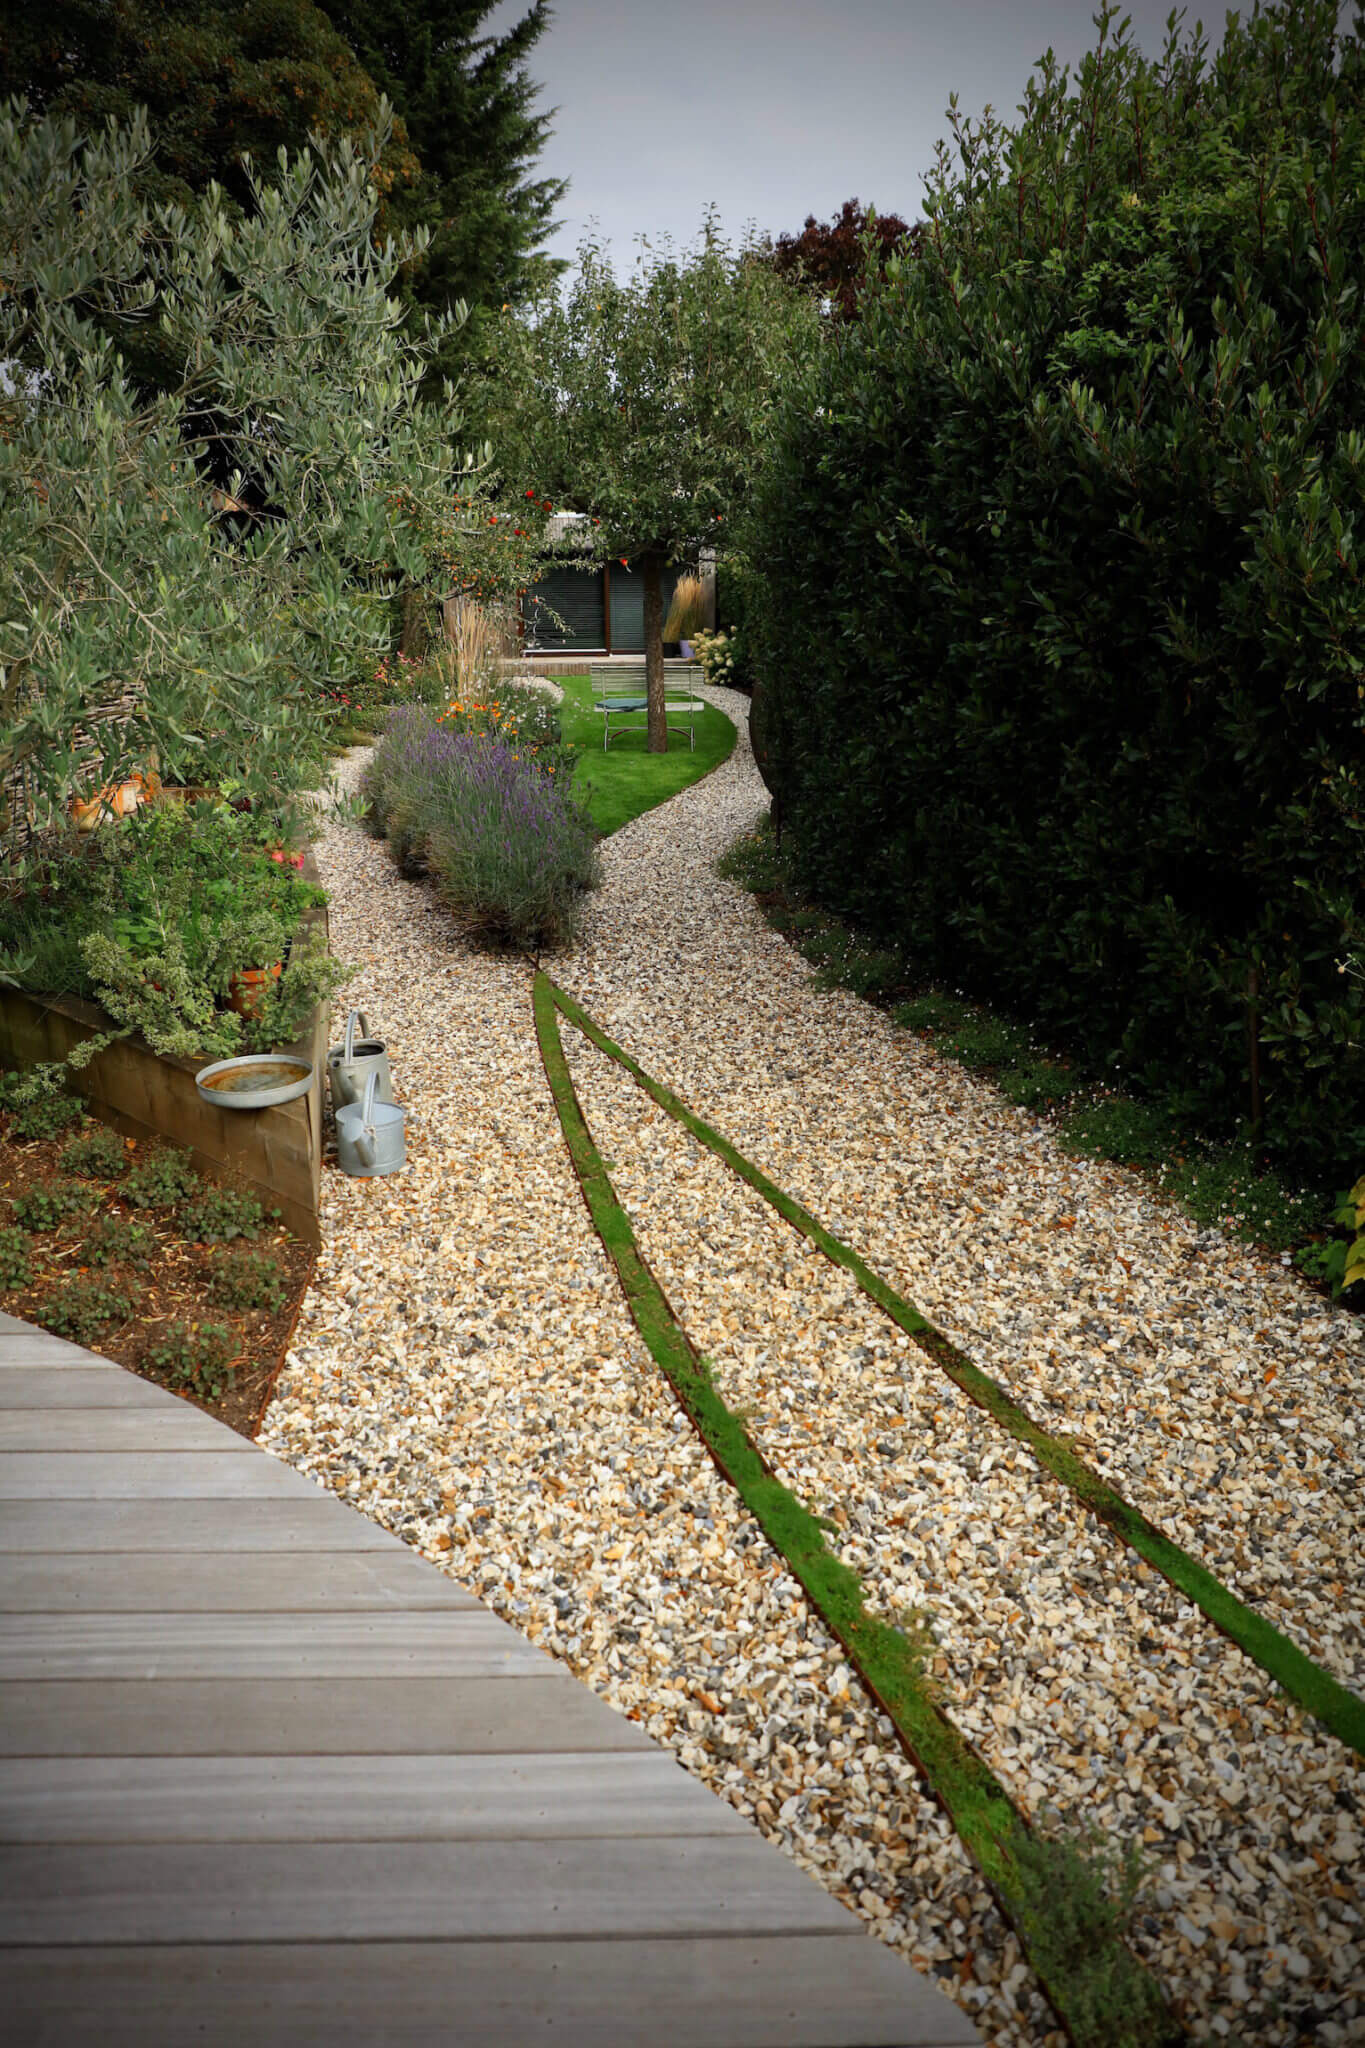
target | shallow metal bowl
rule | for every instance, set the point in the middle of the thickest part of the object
(259, 1080)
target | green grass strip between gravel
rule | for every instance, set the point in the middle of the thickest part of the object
(1015, 1863)
(1306, 1682)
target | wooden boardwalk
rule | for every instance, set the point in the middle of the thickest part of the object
(268, 1777)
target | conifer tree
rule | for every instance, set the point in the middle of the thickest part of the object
(224, 78)
(468, 105)
(220, 79)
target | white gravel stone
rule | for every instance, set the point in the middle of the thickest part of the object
(465, 1371)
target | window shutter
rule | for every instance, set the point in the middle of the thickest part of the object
(577, 595)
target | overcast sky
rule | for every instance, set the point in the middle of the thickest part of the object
(778, 108)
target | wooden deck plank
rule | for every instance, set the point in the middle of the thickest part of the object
(820, 1991)
(413, 1891)
(309, 1716)
(460, 1643)
(24, 1348)
(78, 1386)
(355, 1799)
(270, 1776)
(179, 1427)
(262, 1582)
(223, 1528)
(150, 1475)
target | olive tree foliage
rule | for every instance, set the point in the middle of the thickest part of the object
(643, 402)
(181, 569)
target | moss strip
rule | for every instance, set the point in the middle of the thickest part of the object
(1304, 1681)
(889, 1665)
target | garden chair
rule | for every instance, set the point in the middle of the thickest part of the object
(618, 691)
(681, 700)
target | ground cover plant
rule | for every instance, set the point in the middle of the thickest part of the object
(45, 1116)
(1225, 1185)
(156, 915)
(248, 1279)
(100, 1154)
(79, 1308)
(216, 1215)
(507, 845)
(108, 1262)
(1071, 711)
(196, 1355)
(161, 1177)
(627, 779)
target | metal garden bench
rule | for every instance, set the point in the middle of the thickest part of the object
(619, 691)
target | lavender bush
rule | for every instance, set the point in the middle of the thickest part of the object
(499, 832)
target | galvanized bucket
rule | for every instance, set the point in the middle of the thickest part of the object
(370, 1137)
(350, 1064)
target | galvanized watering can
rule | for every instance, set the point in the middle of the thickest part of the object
(350, 1065)
(370, 1135)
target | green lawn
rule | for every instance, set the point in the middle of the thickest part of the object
(626, 779)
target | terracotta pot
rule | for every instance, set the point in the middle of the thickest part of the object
(248, 985)
(115, 800)
(86, 811)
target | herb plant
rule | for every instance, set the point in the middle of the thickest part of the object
(16, 1258)
(49, 1204)
(508, 847)
(160, 1179)
(196, 1355)
(81, 1308)
(247, 1279)
(100, 1155)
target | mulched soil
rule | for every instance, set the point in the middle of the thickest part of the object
(172, 1288)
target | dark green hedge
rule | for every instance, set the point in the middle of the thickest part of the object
(1060, 626)
(735, 592)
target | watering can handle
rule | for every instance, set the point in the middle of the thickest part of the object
(349, 1048)
(364, 1137)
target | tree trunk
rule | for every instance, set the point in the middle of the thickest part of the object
(413, 636)
(651, 565)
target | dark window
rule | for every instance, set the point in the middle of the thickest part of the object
(589, 603)
(578, 597)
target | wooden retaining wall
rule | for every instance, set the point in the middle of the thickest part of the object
(276, 1154)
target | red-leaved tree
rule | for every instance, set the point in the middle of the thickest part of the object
(832, 256)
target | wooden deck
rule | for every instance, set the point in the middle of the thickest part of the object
(268, 1777)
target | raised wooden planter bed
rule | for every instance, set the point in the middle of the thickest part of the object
(274, 1153)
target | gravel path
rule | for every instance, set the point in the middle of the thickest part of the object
(465, 1371)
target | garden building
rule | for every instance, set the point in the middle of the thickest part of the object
(602, 608)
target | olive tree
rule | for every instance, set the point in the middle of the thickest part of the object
(182, 567)
(643, 402)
